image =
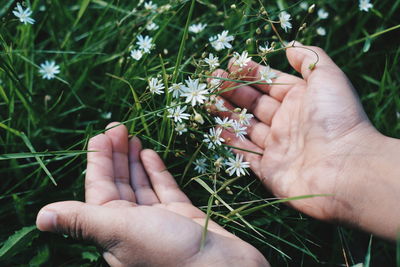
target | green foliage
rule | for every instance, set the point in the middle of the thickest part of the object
(18, 242)
(45, 124)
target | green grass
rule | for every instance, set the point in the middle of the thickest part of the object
(45, 125)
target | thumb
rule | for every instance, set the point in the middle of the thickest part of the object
(309, 60)
(79, 220)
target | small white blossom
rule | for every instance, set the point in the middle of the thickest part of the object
(214, 138)
(150, 6)
(215, 82)
(365, 5)
(221, 41)
(195, 92)
(24, 16)
(106, 115)
(198, 118)
(175, 89)
(267, 74)
(322, 14)
(244, 117)
(265, 49)
(196, 28)
(212, 61)
(304, 5)
(145, 43)
(220, 105)
(156, 86)
(201, 166)
(239, 130)
(284, 19)
(237, 165)
(49, 69)
(241, 60)
(136, 54)
(321, 31)
(152, 26)
(225, 123)
(178, 114)
(181, 128)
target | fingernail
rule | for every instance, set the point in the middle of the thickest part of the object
(46, 220)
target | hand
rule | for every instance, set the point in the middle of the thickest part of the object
(314, 138)
(136, 212)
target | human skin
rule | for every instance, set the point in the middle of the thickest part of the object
(313, 137)
(137, 214)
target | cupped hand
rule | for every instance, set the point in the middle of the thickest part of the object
(137, 214)
(307, 131)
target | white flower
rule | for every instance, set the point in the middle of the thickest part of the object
(178, 114)
(181, 128)
(304, 5)
(194, 92)
(214, 138)
(156, 86)
(212, 61)
(365, 5)
(145, 43)
(224, 123)
(239, 130)
(267, 74)
(321, 31)
(220, 105)
(284, 19)
(24, 16)
(136, 54)
(151, 26)
(221, 41)
(175, 89)
(322, 14)
(244, 117)
(237, 165)
(49, 69)
(201, 166)
(150, 6)
(197, 117)
(196, 28)
(265, 49)
(241, 60)
(106, 115)
(215, 82)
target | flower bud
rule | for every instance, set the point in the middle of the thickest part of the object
(311, 9)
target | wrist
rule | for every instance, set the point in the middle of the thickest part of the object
(370, 196)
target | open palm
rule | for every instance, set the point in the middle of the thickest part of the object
(136, 212)
(305, 129)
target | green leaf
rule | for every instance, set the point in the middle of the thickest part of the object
(91, 256)
(17, 242)
(41, 257)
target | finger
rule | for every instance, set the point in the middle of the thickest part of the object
(257, 131)
(261, 105)
(162, 181)
(312, 61)
(140, 182)
(118, 135)
(99, 182)
(81, 221)
(251, 152)
(280, 86)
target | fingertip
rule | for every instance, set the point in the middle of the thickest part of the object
(151, 160)
(116, 128)
(100, 141)
(46, 220)
(112, 124)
